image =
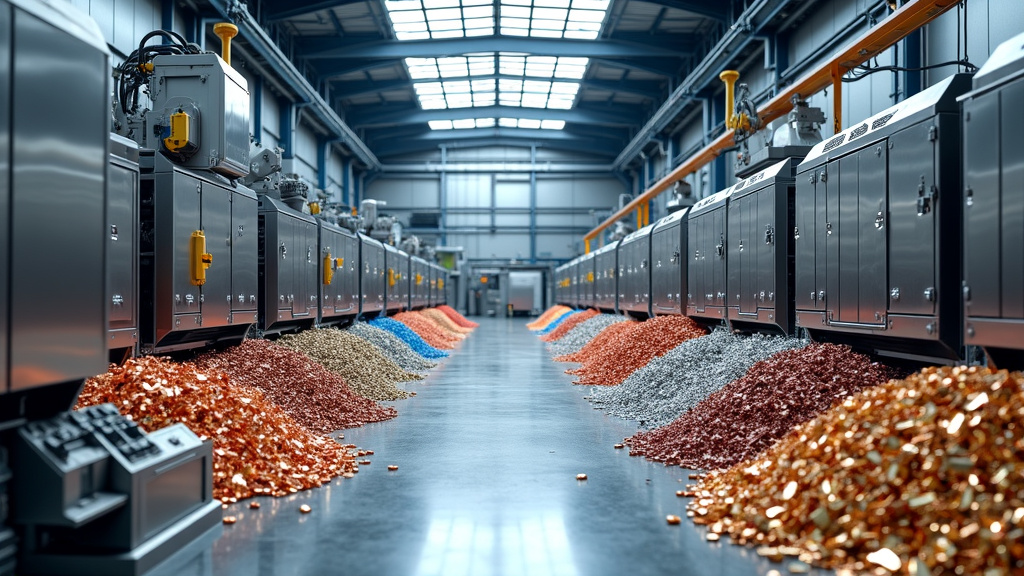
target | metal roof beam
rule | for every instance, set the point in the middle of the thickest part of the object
(513, 137)
(714, 10)
(372, 116)
(660, 66)
(296, 8)
(335, 48)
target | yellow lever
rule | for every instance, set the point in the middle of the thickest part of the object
(328, 269)
(391, 277)
(199, 258)
(226, 31)
(732, 120)
(419, 279)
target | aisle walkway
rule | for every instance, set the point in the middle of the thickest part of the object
(488, 453)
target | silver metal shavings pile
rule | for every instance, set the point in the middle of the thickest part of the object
(672, 384)
(365, 369)
(586, 331)
(392, 346)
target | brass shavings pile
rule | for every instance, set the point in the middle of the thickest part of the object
(257, 448)
(923, 476)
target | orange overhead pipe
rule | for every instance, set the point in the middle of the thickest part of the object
(898, 25)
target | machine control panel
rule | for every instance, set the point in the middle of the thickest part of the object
(74, 431)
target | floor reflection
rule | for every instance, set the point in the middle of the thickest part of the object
(463, 545)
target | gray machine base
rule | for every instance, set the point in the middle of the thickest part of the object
(134, 562)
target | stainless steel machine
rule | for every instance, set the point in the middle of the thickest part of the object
(993, 205)
(199, 239)
(635, 267)
(706, 276)
(419, 283)
(758, 266)
(339, 273)
(605, 274)
(289, 258)
(669, 241)
(524, 292)
(878, 235)
(372, 278)
(397, 293)
(586, 274)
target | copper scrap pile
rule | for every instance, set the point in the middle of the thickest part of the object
(458, 318)
(632, 348)
(315, 397)
(428, 330)
(549, 316)
(748, 415)
(921, 476)
(568, 324)
(258, 448)
(445, 322)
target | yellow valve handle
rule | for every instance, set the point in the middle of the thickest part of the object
(590, 276)
(391, 277)
(199, 258)
(226, 31)
(328, 269)
(419, 279)
(179, 136)
(440, 284)
(314, 208)
(339, 262)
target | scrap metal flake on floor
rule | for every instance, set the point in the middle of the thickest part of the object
(488, 454)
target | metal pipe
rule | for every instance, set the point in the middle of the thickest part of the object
(899, 24)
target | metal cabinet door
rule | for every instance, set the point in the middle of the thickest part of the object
(843, 207)
(719, 284)
(831, 234)
(186, 192)
(872, 237)
(1011, 141)
(763, 237)
(738, 263)
(306, 292)
(216, 219)
(804, 238)
(911, 221)
(981, 206)
(122, 260)
(286, 254)
(244, 253)
(695, 269)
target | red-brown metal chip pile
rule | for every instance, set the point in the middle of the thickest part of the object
(257, 448)
(428, 330)
(311, 394)
(921, 476)
(598, 344)
(446, 323)
(458, 318)
(633, 348)
(568, 324)
(547, 317)
(748, 415)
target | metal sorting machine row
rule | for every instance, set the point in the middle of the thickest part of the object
(634, 265)
(993, 200)
(669, 242)
(605, 266)
(878, 229)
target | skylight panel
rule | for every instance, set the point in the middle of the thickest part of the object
(579, 19)
(427, 19)
(467, 123)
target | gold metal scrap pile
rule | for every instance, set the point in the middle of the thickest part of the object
(922, 476)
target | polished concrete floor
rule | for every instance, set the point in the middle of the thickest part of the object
(488, 453)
